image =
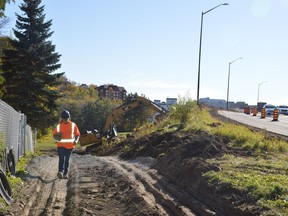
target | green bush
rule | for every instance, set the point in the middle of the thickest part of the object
(182, 111)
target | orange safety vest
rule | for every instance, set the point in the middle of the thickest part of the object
(68, 131)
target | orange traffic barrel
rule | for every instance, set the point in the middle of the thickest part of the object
(275, 114)
(247, 110)
(263, 113)
(254, 111)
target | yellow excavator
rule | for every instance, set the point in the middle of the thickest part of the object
(109, 131)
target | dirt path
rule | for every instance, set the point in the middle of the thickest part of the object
(101, 186)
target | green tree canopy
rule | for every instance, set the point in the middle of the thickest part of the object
(2, 6)
(87, 110)
(4, 44)
(28, 68)
(3, 21)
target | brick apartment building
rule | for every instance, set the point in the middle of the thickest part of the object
(112, 92)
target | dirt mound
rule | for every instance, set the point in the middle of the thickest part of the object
(179, 144)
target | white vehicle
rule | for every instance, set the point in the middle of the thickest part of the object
(283, 109)
(269, 109)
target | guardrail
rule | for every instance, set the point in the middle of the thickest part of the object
(15, 141)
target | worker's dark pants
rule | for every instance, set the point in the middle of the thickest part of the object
(64, 157)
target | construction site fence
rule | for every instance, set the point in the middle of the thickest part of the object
(16, 136)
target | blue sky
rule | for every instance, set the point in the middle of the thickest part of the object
(152, 46)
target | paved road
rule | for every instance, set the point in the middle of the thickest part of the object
(278, 127)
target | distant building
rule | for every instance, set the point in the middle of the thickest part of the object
(237, 105)
(112, 92)
(166, 105)
(222, 104)
(213, 103)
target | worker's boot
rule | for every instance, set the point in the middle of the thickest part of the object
(60, 175)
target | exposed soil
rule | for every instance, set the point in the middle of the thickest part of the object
(160, 174)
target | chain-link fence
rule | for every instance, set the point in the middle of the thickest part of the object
(15, 136)
(15, 141)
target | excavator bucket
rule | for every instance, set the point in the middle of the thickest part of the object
(89, 138)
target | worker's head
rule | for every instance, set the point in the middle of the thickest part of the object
(65, 115)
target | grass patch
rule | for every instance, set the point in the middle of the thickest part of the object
(243, 137)
(264, 181)
(44, 144)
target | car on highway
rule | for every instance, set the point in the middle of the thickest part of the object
(283, 109)
(269, 108)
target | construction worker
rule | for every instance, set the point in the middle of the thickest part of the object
(67, 135)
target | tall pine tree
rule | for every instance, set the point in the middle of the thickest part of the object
(29, 68)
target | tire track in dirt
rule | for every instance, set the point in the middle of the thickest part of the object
(57, 198)
(101, 186)
(45, 193)
(158, 189)
(142, 184)
(52, 196)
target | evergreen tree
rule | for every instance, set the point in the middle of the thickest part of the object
(30, 84)
(4, 44)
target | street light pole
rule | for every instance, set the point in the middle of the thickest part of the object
(227, 103)
(203, 13)
(258, 91)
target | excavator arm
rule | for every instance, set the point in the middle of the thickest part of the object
(137, 101)
(109, 130)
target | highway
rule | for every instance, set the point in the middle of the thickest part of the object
(267, 123)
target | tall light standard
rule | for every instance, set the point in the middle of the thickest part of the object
(198, 83)
(227, 103)
(258, 91)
